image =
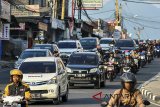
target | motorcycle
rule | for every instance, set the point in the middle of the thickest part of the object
(142, 59)
(145, 102)
(125, 68)
(13, 101)
(149, 57)
(157, 51)
(111, 73)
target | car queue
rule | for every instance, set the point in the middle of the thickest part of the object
(50, 69)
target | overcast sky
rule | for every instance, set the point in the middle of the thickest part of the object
(136, 15)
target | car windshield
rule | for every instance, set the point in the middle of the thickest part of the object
(38, 67)
(105, 41)
(43, 47)
(88, 42)
(67, 44)
(29, 54)
(83, 59)
(124, 43)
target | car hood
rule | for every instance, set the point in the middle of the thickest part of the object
(67, 50)
(38, 77)
(82, 66)
(127, 48)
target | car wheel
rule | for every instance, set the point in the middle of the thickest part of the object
(57, 100)
(97, 85)
(65, 97)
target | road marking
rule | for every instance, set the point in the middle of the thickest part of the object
(155, 104)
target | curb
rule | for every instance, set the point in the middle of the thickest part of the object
(148, 93)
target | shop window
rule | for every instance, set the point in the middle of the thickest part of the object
(42, 3)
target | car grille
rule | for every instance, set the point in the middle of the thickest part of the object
(39, 91)
(80, 72)
(37, 83)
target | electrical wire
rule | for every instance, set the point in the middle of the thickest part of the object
(142, 2)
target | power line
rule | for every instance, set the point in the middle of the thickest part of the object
(141, 24)
(140, 2)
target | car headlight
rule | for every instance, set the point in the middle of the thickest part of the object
(69, 70)
(53, 80)
(93, 70)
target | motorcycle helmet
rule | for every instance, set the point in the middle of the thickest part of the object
(128, 78)
(16, 72)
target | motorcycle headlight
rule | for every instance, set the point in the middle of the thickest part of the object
(142, 57)
(93, 70)
(53, 80)
(158, 50)
(109, 68)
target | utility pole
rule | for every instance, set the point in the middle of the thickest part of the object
(117, 12)
(63, 10)
(79, 3)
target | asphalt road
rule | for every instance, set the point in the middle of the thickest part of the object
(81, 96)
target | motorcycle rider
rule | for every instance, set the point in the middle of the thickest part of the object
(128, 96)
(135, 55)
(17, 87)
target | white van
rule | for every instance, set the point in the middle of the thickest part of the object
(47, 78)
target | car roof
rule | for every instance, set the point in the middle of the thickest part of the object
(89, 38)
(107, 38)
(69, 41)
(36, 50)
(41, 59)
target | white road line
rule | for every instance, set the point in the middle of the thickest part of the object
(155, 104)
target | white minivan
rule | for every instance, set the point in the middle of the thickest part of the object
(47, 78)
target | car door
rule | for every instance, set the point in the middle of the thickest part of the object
(61, 76)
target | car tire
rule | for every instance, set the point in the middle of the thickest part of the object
(65, 97)
(103, 84)
(97, 85)
(57, 100)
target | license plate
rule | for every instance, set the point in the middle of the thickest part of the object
(80, 75)
(36, 95)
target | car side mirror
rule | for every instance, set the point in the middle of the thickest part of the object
(61, 72)
(16, 57)
(146, 102)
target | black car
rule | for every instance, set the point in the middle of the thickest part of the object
(84, 69)
(125, 44)
(52, 47)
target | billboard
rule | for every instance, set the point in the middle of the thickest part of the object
(26, 11)
(92, 3)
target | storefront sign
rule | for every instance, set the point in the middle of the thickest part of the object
(42, 26)
(5, 10)
(58, 24)
(26, 11)
(5, 32)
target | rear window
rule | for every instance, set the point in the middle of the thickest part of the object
(85, 42)
(106, 41)
(83, 59)
(124, 43)
(67, 45)
(38, 67)
(29, 54)
(43, 47)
